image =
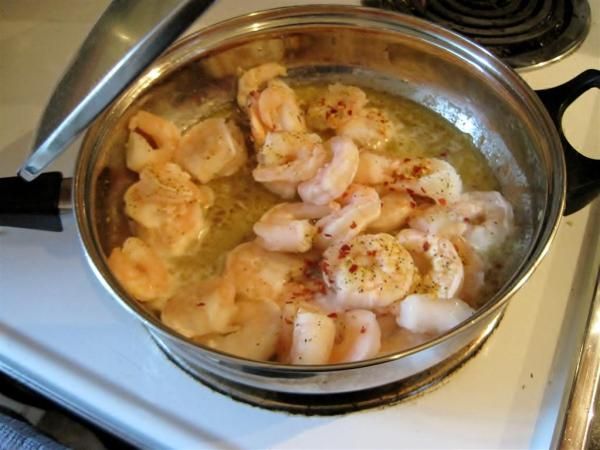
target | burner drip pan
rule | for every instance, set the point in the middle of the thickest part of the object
(521, 32)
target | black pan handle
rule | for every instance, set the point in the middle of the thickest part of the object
(583, 173)
(32, 204)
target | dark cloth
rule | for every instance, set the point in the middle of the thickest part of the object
(16, 434)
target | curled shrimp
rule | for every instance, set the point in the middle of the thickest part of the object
(312, 339)
(370, 129)
(255, 334)
(360, 338)
(488, 216)
(254, 79)
(439, 265)
(333, 178)
(337, 106)
(289, 157)
(375, 169)
(474, 268)
(440, 220)
(204, 308)
(141, 271)
(428, 177)
(287, 227)
(360, 207)
(368, 271)
(212, 148)
(274, 109)
(260, 274)
(284, 189)
(169, 209)
(484, 219)
(152, 140)
(424, 313)
(396, 208)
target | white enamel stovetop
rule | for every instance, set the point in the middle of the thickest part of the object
(61, 333)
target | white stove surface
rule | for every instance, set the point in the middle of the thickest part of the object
(61, 333)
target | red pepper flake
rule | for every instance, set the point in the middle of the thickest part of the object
(288, 321)
(417, 170)
(444, 154)
(344, 250)
(353, 268)
(332, 315)
(327, 235)
(426, 246)
(322, 288)
(319, 230)
(413, 204)
(353, 225)
(200, 304)
(466, 220)
(406, 159)
(442, 201)
(371, 252)
(363, 329)
(410, 191)
(349, 112)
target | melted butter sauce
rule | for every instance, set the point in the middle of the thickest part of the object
(239, 203)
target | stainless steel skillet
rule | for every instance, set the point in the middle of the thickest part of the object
(436, 68)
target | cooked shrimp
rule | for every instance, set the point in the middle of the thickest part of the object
(440, 220)
(370, 129)
(287, 227)
(206, 307)
(255, 79)
(360, 207)
(429, 177)
(313, 338)
(368, 271)
(284, 189)
(424, 313)
(256, 333)
(474, 278)
(333, 178)
(484, 219)
(336, 107)
(169, 210)
(141, 271)
(274, 109)
(289, 157)
(396, 208)
(260, 274)
(375, 169)
(489, 218)
(152, 139)
(289, 308)
(211, 149)
(361, 337)
(436, 259)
